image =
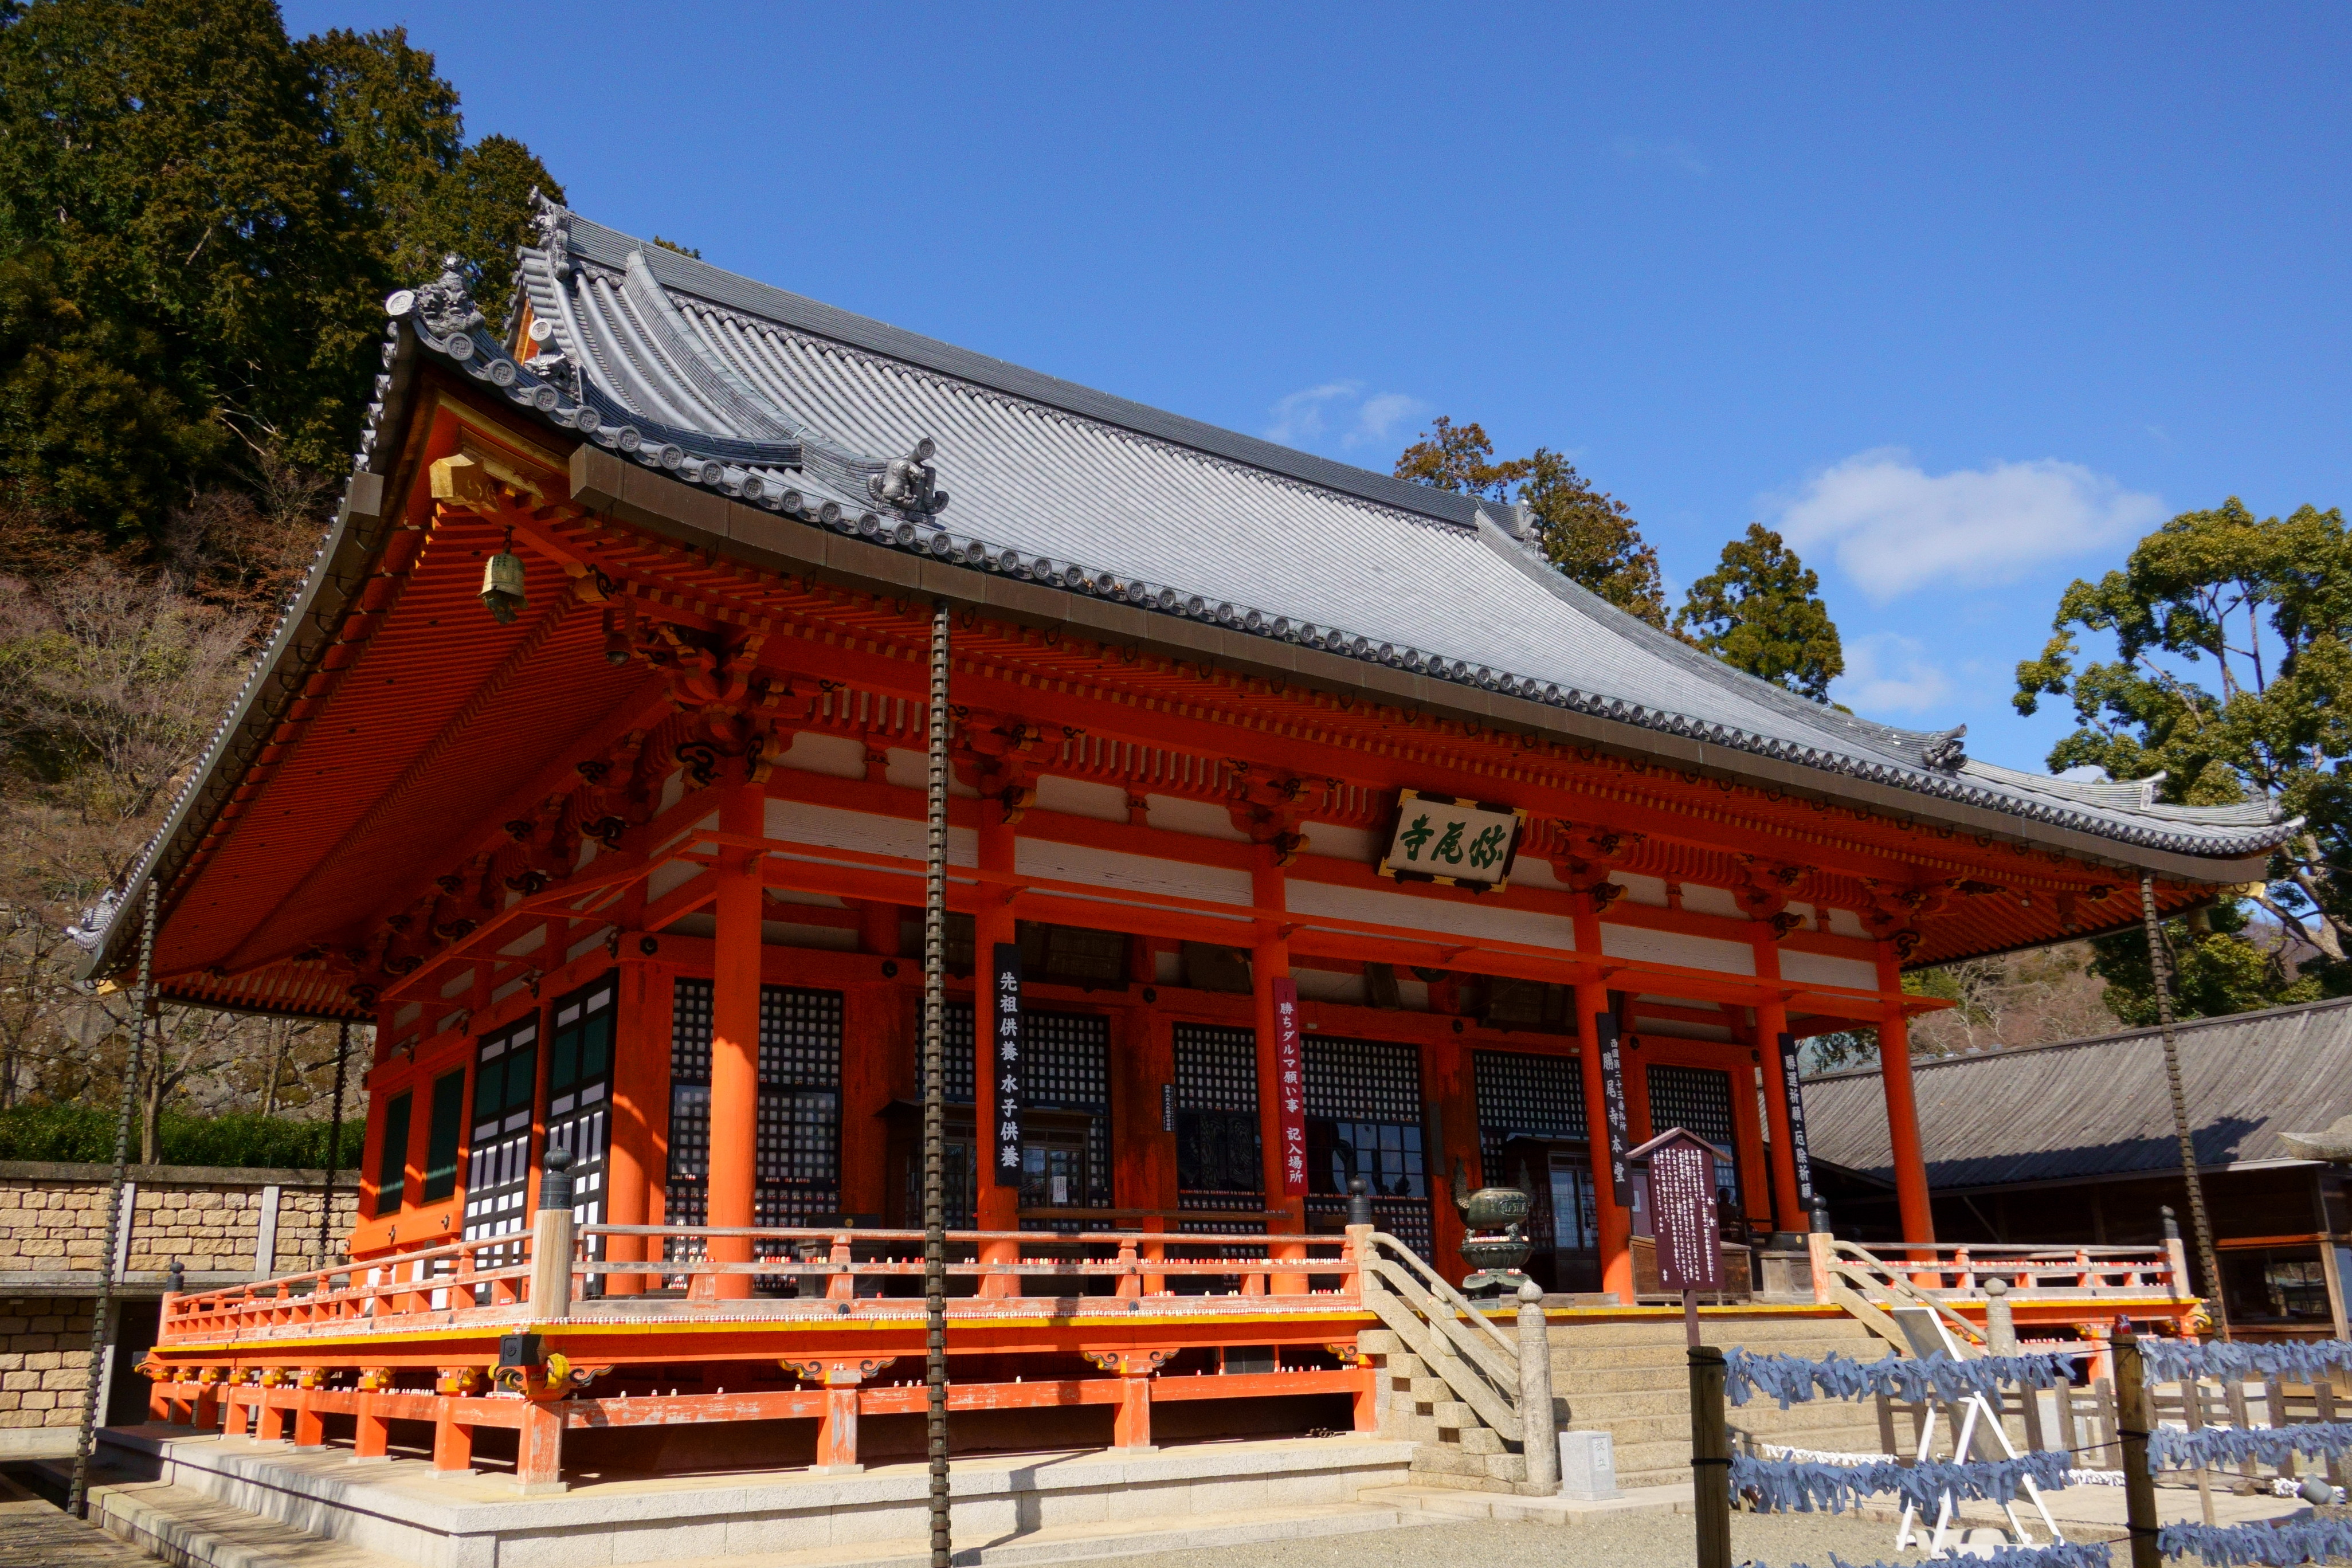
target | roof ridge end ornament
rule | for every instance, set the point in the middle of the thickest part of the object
(1946, 751)
(551, 224)
(911, 484)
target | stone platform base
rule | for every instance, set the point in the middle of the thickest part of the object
(167, 1486)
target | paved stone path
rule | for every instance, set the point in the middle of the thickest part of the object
(34, 1535)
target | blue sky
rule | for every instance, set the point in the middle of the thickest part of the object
(1965, 299)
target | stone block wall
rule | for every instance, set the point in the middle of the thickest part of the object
(44, 1362)
(53, 1218)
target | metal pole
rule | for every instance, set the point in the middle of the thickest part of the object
(935, 1243)
(2160, 967)
(334, 1141)
(101, 1327)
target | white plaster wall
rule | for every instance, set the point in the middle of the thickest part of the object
(1139, 873)
(912, 770)
(1821, 969)
(1439, 915)
(1673, 947)
(1357, 846)
(1201, 818)
(1700, 899)
(864, 830)
(1083, 798)
(838, 756)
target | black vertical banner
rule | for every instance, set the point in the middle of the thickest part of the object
(1005, 1065)
(1792, 1086)
(1612, 1102)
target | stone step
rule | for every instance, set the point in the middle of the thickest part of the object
(182, 1526)
(1753, 1332)
(1452, 1504)
(185, 1528)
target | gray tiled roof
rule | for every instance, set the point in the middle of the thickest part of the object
(2101, 1107)
(794, 405)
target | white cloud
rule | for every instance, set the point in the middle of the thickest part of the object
(1886, 672)
(1895, 527)
(1340, 410)
(1678, 155)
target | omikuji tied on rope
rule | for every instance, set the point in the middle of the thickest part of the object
(1794, 1379)
(2057, 1555)
(2304, 1539)
(1804, 1486)
(2307, 1361)
(2233, 1445)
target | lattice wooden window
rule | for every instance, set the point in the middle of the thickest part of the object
(1698, 1100)
(1524, 1095)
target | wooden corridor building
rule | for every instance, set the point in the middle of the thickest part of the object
(621, 849)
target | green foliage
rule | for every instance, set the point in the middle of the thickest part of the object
(2232, 679)
(1589, 534)
(2216, 970)
(198, 221)
(1592, 538)
(1760, 610)
(1460, 459)
(681, 249)
(85, 1134)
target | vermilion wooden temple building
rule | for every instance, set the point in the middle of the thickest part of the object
(626, 858)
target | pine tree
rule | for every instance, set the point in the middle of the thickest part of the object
(1760, 610)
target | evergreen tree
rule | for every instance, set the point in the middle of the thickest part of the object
(199, 219)
(1760, 610)
(2231, 679)
(1592, 538)
(1587, 533)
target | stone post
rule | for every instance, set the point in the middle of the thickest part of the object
(1539, 1432)
(2000, 1321)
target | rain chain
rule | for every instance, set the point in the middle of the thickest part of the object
(1793, 1379)
(1801, 1486)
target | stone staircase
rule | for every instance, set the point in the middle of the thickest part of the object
(1629, 1377)
(1632, 1379)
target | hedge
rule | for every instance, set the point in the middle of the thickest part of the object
(85, 1133)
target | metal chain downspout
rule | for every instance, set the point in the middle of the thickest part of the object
(102, 1311)
(935, 935)
(2160, 967)
(334, 1142)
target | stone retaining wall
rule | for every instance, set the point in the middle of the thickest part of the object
(212, 1221)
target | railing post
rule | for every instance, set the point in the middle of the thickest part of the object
(1131, 1284)
(1538, 1429)
(2176, 1253)
(1155, 1251)
(552, 1243)
(2133, 1422)
(842, 1286)
(1821, 1251)
(1359, 1250)
(2001, 1321)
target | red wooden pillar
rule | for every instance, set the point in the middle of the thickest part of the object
(1771, 1022)
(1902, 1109)
(735, 1037)
(453, 1435)
(640, 1110)
(996, 1201)
(836, 1429)
(1270, 962)
(877, 1066)
(239, 1414)
(370, 1431)
(1143, 1148)
(1450, 1085)
(539, 1445)
(1616, 1221)
(271, 1426)
(310, 1427)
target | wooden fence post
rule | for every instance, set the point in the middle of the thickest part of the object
(1711, 1457)
(2133, 1423)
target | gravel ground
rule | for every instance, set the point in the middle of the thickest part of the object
(1621, 1541)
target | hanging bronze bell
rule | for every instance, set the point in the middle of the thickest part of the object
(502, 592)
